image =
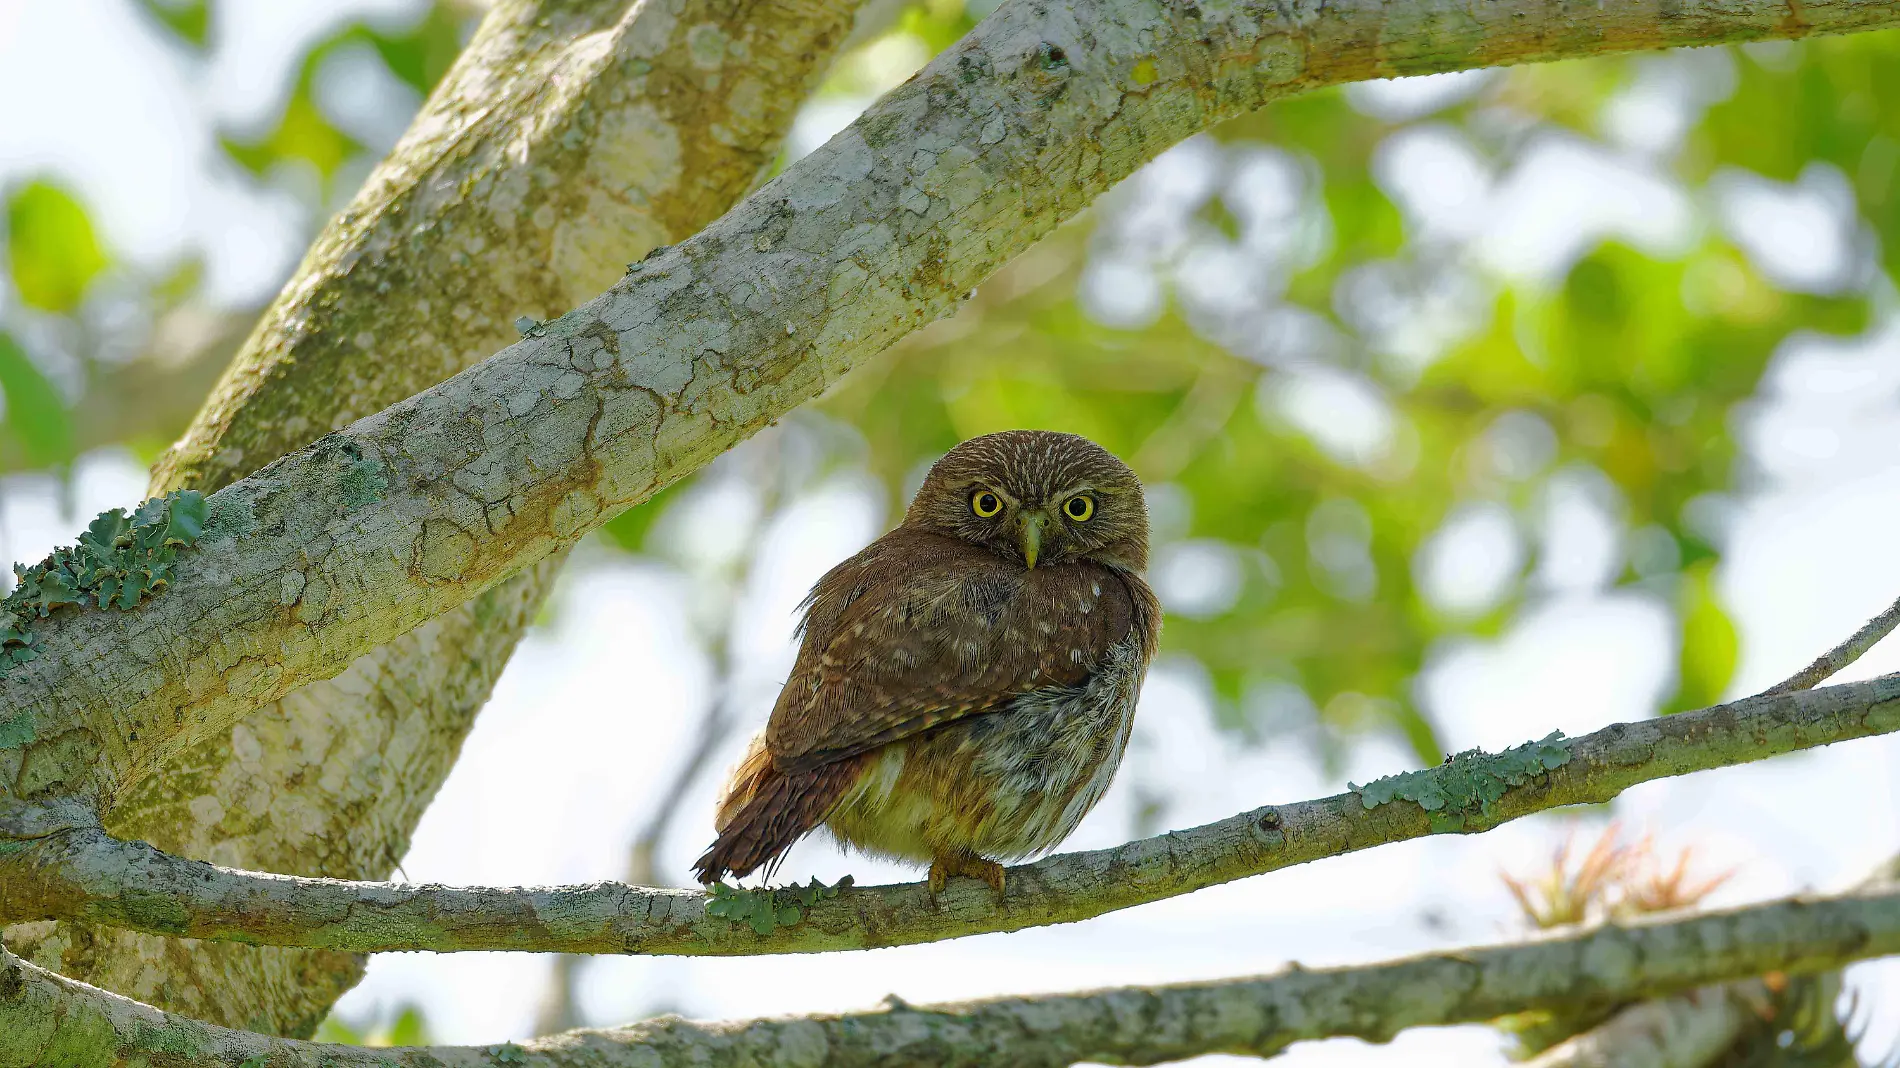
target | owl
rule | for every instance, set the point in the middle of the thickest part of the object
(965, 686)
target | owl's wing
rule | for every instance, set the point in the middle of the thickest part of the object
(925, 630)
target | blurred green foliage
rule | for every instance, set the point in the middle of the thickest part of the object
(405, 1025)
(35, 418)
(417, 54)
(78, 372)
(1622, 375)
(187, 21)
(52, 252)
(1492, 392)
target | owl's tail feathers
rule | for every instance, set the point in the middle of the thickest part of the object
(765, 811)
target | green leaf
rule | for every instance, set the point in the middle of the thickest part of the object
(1709, 642)
(628, 530)
(36, 415)
(187, 20)
(409, 1029)
(51, 248)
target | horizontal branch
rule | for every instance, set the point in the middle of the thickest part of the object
(372, 530)
(81, 874)
(45, 1018)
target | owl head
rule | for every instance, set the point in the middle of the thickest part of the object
(1037, 497)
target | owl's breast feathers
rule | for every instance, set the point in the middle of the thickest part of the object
(913, 633)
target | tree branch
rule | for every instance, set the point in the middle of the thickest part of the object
(44, 1015)
(1836, 660)
(1689, 1030)
(409, 512)
(1694, 1028)
(571, 136)
(82, 874)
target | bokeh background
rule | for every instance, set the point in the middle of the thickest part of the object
(1471, 407)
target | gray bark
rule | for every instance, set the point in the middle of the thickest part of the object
(407, 513)
(69, 870)
(46, 1020)
(571, 137)
(390, 522)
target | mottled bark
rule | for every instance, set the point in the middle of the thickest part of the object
(84, 875)
(45, 1019)
(407, 513)
(571, 137)
(404, 515)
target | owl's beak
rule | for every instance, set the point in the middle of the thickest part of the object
(1031, 534)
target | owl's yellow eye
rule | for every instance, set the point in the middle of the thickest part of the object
(985, 504)
(1079, 507)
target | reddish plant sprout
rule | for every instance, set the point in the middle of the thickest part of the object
(1613, 879)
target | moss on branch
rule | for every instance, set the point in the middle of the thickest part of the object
(85, 875)
(46, 1019)
(873, 235)
(119, 561)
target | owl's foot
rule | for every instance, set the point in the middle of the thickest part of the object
(946, 865)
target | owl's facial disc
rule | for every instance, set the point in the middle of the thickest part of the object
(1039, 497)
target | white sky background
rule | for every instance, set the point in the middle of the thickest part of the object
(594, 709)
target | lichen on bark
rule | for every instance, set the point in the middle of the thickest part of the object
(1012, 130)
(572, 136)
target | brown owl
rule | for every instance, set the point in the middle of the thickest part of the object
(966, 684)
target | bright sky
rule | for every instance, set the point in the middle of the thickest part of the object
(593, 709)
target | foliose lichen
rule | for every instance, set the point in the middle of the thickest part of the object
(1469, 783)
(769, 908)
(120, 560)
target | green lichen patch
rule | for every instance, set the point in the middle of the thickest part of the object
(1469, 783)
(16, 730)
(120, 561)
(769, 908)
(363, 484)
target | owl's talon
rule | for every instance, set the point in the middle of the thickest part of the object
(990, 872)
(942, 868)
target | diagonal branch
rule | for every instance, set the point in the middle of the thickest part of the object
(1837, 659)
(82, 874)
(1698, 1026)
(409, 512)
(570, 137)
(43, 1015)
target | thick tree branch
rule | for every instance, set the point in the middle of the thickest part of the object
(43, 1016)
(81, 874)
(571, 136)
(409, 512)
